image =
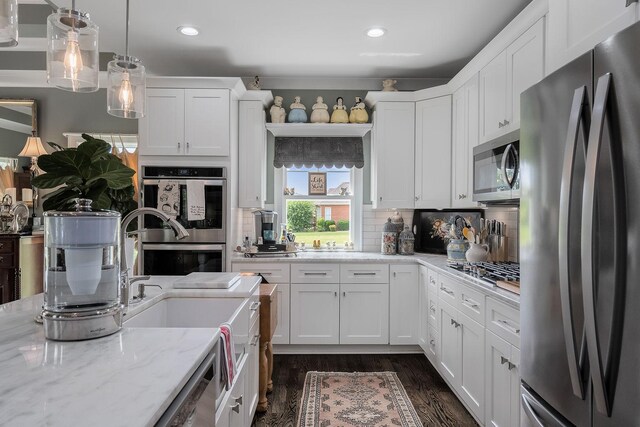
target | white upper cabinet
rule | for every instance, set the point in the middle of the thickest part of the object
(252, 157)
(433, 153)
(502, 81)
(577, 26)
(392, 151)
(465, 137)
(187, 122)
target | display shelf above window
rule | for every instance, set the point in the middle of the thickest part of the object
(319, 129)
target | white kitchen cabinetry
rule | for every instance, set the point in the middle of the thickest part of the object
(465, 137)
(186, 122)
(433, 153)
(503, 80)
(471, 344)
(252, 159)
(449, 363)
(502, 382)
(392, 148)
(404, 305)
(315, 313)
(232, 411)
(252, 378)
(364, 313)
(424, 308)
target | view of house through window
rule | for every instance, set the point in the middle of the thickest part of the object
(320, 217)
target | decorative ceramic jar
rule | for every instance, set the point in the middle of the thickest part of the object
(389, 238)
(407, 240)
(339, 114)
(456, 250)
(319, 113)
(277, 111)
(397, 221)
(477, 252)
(298, 112)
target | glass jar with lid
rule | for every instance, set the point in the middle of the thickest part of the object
(389, 238)
(406, 242)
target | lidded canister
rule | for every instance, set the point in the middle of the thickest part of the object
(389, 238)
(397, 221)
(406, 242)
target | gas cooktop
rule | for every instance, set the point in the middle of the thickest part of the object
(491, 272)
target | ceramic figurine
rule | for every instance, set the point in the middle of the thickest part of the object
(277, 111)
(388, 85)
(320, 113)
(255, 84)
(339, 114)
(298, 112)
(358, 112)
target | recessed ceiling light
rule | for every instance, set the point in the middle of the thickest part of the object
(188, 31)
(376, 32)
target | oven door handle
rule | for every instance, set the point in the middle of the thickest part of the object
(207, 182)
(181, 247)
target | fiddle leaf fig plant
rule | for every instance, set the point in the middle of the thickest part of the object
(90, 172)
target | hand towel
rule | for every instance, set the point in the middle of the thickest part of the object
(169, 197)
(228, 354)
(195, 200)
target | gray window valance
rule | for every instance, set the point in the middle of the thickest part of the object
(318, 152)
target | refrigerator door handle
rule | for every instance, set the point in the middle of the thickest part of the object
(531, 412)
(603, 370)
(577, 112)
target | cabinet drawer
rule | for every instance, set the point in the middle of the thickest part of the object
(504, 321)
(274, 273)
(432, 279)
(471, 303)
(254, 308)
(432, 309)
(432, 346)
(364, 273)
(315, 273)
(6, 261)
(6, 246)
(448, 291)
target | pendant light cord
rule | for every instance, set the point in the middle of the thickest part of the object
(126, 36)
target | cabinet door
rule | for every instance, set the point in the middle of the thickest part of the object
(515, 385)
(238, 400)
(364, 313)
(207, 122)
(281, 334)
(392, 171)
(493, 97)
(252, 161)
(315, 313)
(465, 137)
(472, 366)
(433, 341)
(404, 304)
(162, 128)
(498, 389)
(424, 308)
(252, 377)
(525, 67)
(433, 153)
(450, 358)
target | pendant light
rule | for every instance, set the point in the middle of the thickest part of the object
(72, 51)
(127, 85)
(8, 23)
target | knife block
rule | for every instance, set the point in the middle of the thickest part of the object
(498, 248)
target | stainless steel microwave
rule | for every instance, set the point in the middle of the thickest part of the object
(496, 170)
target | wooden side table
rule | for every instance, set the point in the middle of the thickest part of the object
(268, 323)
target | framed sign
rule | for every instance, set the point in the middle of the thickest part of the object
(317, 183)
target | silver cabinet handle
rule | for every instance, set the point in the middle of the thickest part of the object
(257, 197)
(470, 303)
(335, 294)
(239, 399)
(380, 198)
(463, 196)
(417, 198)
(450, 292)
(432, 281)
(576, 116)
(255, 339)
(432, 342)
(255, 306)
(503, 360)
(187, 146)
(433, 308)
(315, 274)
(178, 145)
(394, 274)
(500, 124)
(365, 274)
(265, 274)
(344, 294)
(508, 326)
(506, 122)
(454, 323)
(236, 408)
(511, 366)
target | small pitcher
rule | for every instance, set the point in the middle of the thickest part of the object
(477, 252)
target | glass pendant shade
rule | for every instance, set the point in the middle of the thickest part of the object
(72, 51)
(127, 87)
(8, 23)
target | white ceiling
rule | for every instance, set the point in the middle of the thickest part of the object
(426, 38)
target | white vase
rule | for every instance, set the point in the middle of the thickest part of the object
(477, 252)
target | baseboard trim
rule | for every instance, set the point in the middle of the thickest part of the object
(346, 349)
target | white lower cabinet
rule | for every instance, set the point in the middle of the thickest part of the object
(502, 382)
(315, 313)
(232, 411)
(471, 343)
(252, 379)
(364, 313)
(449, 362)
(404, 305)
(281, 334)
(424, 308)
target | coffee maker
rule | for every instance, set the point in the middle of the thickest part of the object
(266, 228)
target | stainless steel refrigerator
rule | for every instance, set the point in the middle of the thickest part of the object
(580, 240)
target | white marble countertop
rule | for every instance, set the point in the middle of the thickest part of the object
(125, 379)
(435, 261)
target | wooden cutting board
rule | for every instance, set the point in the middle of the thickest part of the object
(509, 285)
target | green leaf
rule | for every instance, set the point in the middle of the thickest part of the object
(102, 202)
(122, 195)
(52, 181)
(96, 191)
(60, 200)
(94, 149)
(56, 147)
(65, 163)
(114, 172)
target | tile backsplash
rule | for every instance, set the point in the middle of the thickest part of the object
(372, 222)
(511, 217)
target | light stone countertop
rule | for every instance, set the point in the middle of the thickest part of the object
(437, 262)
(125, 379)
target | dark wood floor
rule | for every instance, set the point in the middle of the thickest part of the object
(434, 401)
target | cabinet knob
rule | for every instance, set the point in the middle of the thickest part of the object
(344, 294)
(239, 399)
(380, 198)
(187, 145)
(503, 360)
(335, 294)
(417, 198)
(257, 198)
(463, 196)
(500, 124)
(506, 122)
(236, 408)
(432, 342)
(178, 145)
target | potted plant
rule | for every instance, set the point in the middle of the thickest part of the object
(89, 171)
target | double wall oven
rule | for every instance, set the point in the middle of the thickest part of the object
(204, 249)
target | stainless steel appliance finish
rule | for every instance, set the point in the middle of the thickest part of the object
(211, 229)
(496, 170)
(266, 226)
(580, 155)
(490, 272)
(180, 259)
(82, 325)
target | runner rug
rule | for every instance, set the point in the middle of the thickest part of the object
(343, 399)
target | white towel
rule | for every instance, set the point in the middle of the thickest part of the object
(169, 197)
(195, 200)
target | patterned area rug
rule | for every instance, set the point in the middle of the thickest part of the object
(342, 399)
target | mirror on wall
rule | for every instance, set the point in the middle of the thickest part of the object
(18, 119)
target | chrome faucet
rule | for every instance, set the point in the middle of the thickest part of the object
(180, 231)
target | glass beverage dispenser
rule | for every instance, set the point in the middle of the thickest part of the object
(82, 273)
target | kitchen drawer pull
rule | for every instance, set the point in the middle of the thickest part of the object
(255, 339)
(508, 326)
(433, 308)
(454, 323)
(323, 273)
(470, 303)
(432, 342)
(450, 292)
(365, 274)
(187, 146)
(432, 281)
(178, 145)
(511, 366)
(255, 306)
(335, 294)
(236, 408)
(344, 294)
(506, 122)
(504, 360)
(265, 274)
(239, 399)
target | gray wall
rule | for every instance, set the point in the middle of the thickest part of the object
(61, 111)
(11, 143)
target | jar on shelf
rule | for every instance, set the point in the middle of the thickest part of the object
(406, 242)
(397, 221)
(389, 238)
